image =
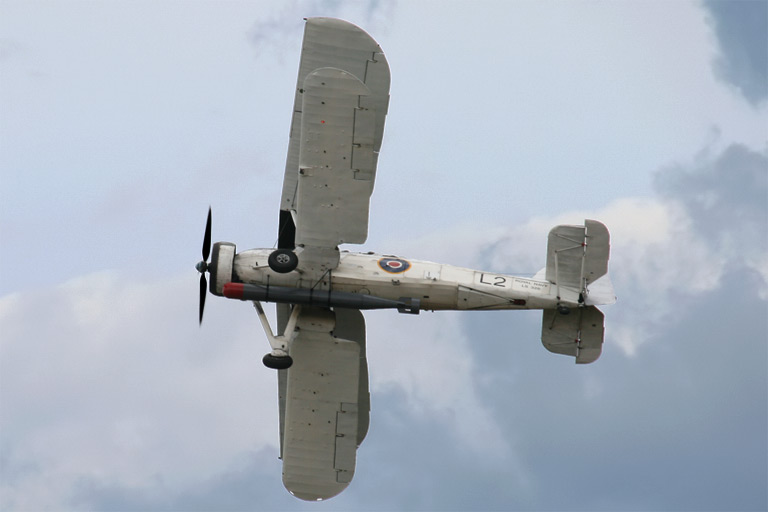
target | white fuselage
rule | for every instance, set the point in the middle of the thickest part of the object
(436, 286)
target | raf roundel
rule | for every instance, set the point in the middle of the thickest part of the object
(394, 265)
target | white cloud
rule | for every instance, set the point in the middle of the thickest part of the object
(657, 258)
(109, 379)
(428, 358)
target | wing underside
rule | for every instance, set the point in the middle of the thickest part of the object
(342, 97)
(341, 100)
(324, 403)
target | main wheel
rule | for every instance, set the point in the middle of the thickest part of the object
(277, 362)
(283, 260)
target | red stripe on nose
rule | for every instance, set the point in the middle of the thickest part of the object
(233, 290)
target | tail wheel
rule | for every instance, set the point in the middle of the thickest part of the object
(277, 362)
(283, 261)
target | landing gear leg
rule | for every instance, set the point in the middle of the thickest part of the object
(278, 359)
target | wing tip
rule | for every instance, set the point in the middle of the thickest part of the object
(309, 492)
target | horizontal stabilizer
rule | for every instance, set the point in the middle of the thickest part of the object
(579, 333)
(577, 256)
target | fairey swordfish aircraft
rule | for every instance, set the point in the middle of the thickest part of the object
(342, 97)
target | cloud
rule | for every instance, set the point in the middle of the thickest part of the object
(682, 369)
(642, 427)
(241, 486)
(726, 198)
(282, 27)
(105, 379)
(678, 426)
(401, 348)
(409, 461)
(112, 400)
(649, 277)
(118, 401)
(708, 220)
(741, 29)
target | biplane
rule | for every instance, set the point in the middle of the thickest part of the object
(318, 347)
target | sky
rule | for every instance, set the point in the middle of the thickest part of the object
(121, 122)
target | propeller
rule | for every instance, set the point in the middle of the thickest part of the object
(202, 266)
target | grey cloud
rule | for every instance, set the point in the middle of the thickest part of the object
(253, 486)
(681, 426)
(726, 198)
(741, 28)
(409, 461)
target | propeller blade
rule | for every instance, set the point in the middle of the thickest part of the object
(207, 238)
(203, 290)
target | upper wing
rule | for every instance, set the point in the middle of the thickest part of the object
(342, 97)
(325, 405)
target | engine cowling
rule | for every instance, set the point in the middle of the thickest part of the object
(221, 267)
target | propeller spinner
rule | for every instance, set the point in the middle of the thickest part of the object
(202, 266)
